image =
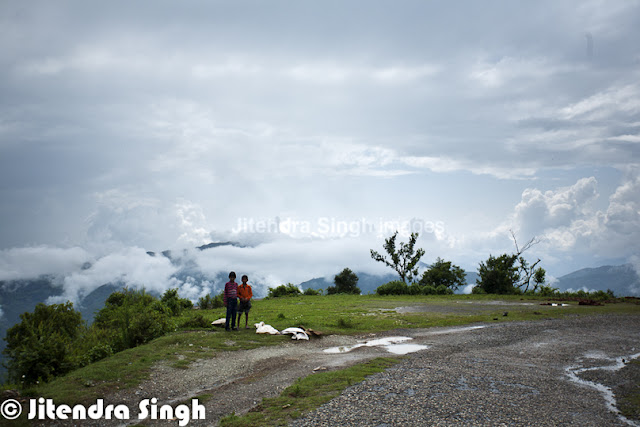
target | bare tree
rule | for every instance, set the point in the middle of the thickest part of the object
(526, 271)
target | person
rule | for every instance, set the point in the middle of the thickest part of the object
(245, 294)
(231, 302)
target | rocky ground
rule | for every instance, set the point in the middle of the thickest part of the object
(519, 373)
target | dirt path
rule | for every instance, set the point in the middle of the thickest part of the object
(520, 373)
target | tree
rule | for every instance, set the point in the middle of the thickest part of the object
(403, 260)
(42, 345)
(525, 271)
(443, 273)
(172, 300)
(135, 317)
(346, 282)
(510, 273)
(498, 275)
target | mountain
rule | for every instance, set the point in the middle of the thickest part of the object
(368, 283)
(623, 280)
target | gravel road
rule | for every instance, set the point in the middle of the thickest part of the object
(511, 373)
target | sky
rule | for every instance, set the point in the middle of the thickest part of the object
(309, 132)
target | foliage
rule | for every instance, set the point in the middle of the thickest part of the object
(197, 321)
(311, 291)
(403, 260)
(41, 346)
(135, 316)
(175, 304)
(498, 275)
(208, 302)
(395, 287)
(346, 282)
(443, 273)
(284, 291)
(398, 287)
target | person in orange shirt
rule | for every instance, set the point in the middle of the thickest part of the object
(245, 294)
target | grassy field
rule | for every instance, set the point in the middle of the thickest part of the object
(336, 314)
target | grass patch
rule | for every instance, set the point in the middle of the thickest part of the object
(306, 394)
(629, 402)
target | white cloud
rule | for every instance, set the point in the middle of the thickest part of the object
(566, 219)
(132, 267)
(32, 262)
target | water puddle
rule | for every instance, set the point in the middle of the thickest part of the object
(606, 392)
(395, 345)
(455, 330)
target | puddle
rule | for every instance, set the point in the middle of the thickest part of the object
(606, 392)
(395, 345)
(455, 330)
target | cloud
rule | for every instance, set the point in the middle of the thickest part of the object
(32, 262)
(131, 267)
(566, 219)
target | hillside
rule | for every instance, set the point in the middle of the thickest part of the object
(623, 280)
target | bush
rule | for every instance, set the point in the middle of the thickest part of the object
(395, 287)
(415, 289)
(175, 304)
(311, 291)
(284, 291)
(135, 316)
(444, 290)
(477, 290)
(197, 321)
(429, 290)
(42, 345)
(208, 302)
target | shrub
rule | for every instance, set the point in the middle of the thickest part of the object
(208, 302)
(175, 304)
(136, 316)
(284, 291)
(444, 290)
(197, 321)
(478, 290)
(311, 291)
(41, 346)
(429, 290)
(395, 287)
(415, 289)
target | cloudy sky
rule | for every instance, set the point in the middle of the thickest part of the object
(310, 131)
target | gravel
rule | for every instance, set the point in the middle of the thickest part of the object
(512, 373)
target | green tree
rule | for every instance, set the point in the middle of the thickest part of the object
(42, 345)
(346, 282)
(510, 273)
(443, 273)
(172, 300)
(498, 275)
(403, 260)
(136, 316)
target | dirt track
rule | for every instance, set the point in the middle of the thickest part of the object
(490, 374)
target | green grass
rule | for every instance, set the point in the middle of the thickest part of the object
(334, 314)
(629, 403)
(307, 394)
